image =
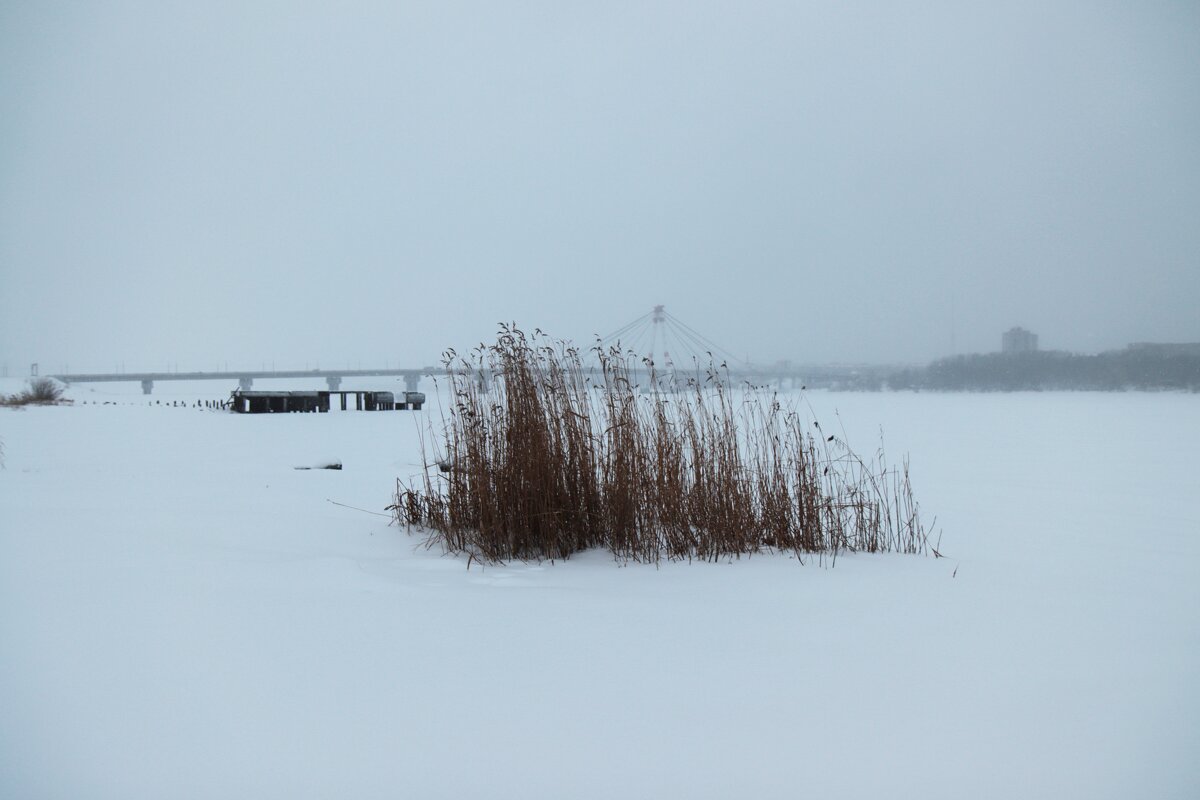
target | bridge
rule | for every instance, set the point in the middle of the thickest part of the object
(814, 376)
(246, 378)
(672, 345)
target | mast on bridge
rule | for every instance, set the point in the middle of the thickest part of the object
(664, 339)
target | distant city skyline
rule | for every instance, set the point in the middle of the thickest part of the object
(335, 365)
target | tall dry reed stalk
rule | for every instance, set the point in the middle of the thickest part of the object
(545, 457)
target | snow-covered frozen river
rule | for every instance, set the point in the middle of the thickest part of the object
(184, 614)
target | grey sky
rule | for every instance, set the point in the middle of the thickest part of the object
(202, 183)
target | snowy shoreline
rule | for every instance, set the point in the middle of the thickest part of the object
(185, 614)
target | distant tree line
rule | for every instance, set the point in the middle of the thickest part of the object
(1047, 370)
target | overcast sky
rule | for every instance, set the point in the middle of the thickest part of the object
(201, 183)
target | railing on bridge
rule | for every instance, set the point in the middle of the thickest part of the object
(245, 378)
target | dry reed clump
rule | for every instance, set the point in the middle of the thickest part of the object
(41, 391)
(545, 457)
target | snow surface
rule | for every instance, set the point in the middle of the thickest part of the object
(184, 614)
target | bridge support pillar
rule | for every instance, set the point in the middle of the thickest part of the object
(245, 383)
(334, 382)
(411, 381)
(147, 387)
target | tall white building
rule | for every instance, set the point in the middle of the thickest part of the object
(1018, 340)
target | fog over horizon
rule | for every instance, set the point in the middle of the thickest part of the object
(194, 185)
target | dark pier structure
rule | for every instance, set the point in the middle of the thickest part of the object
(250, 402)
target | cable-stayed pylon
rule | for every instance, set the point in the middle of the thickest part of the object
(669, 342)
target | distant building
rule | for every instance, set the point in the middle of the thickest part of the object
(1018, 340)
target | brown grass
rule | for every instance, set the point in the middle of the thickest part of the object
(544, 457)
(41, 391)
